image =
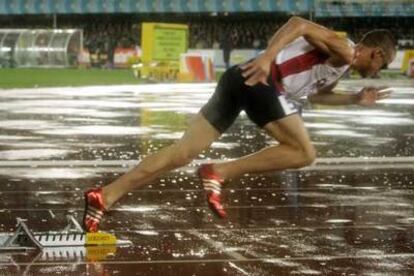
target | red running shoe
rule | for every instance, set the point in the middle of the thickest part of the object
(94, 210)
(212, 185)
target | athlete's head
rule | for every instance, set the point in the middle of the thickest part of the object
(374, 52)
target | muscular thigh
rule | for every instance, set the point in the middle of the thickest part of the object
(290, 130)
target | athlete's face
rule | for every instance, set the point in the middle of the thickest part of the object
(369, 61)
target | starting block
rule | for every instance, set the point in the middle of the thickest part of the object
(71, 236)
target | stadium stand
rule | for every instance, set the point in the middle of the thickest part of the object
(107, 25)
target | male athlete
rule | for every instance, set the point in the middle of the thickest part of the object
(302, 59)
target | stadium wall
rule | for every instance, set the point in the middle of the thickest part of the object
(18, 7)
(320, 8)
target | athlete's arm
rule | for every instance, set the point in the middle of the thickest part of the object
(368, 96)
(320, 37)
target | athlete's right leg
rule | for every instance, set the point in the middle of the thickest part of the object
(294, 150)
(266, 107)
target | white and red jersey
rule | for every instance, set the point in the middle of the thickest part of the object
(302, 69)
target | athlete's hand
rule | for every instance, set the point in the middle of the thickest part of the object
(369, 96)
(257, 70)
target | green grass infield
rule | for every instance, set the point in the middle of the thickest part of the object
(34, 77)
(29, 78)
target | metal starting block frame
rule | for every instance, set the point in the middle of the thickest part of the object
(71, 236)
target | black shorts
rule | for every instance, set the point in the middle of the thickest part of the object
(261, 103)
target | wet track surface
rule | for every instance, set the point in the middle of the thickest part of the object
(351, 213)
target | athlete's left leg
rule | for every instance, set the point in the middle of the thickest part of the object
(214, 118)
(198, 137)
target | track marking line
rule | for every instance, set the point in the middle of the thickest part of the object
(127, 163)
(270, 260)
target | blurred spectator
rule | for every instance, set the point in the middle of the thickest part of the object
(104, 33)
(226, 44)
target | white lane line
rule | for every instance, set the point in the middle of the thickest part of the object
(121, 170)
(381, 227)
(233, 265)
(216, 245)
(8, 170)
(356, 167)
(129, 163)
(155, 208)
(288, 191)
(270, 260)
(279, 228)
(52, 214)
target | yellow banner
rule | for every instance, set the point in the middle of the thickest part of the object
(163, 42)
(408, 55)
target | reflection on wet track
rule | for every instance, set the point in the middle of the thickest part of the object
(351, 213)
